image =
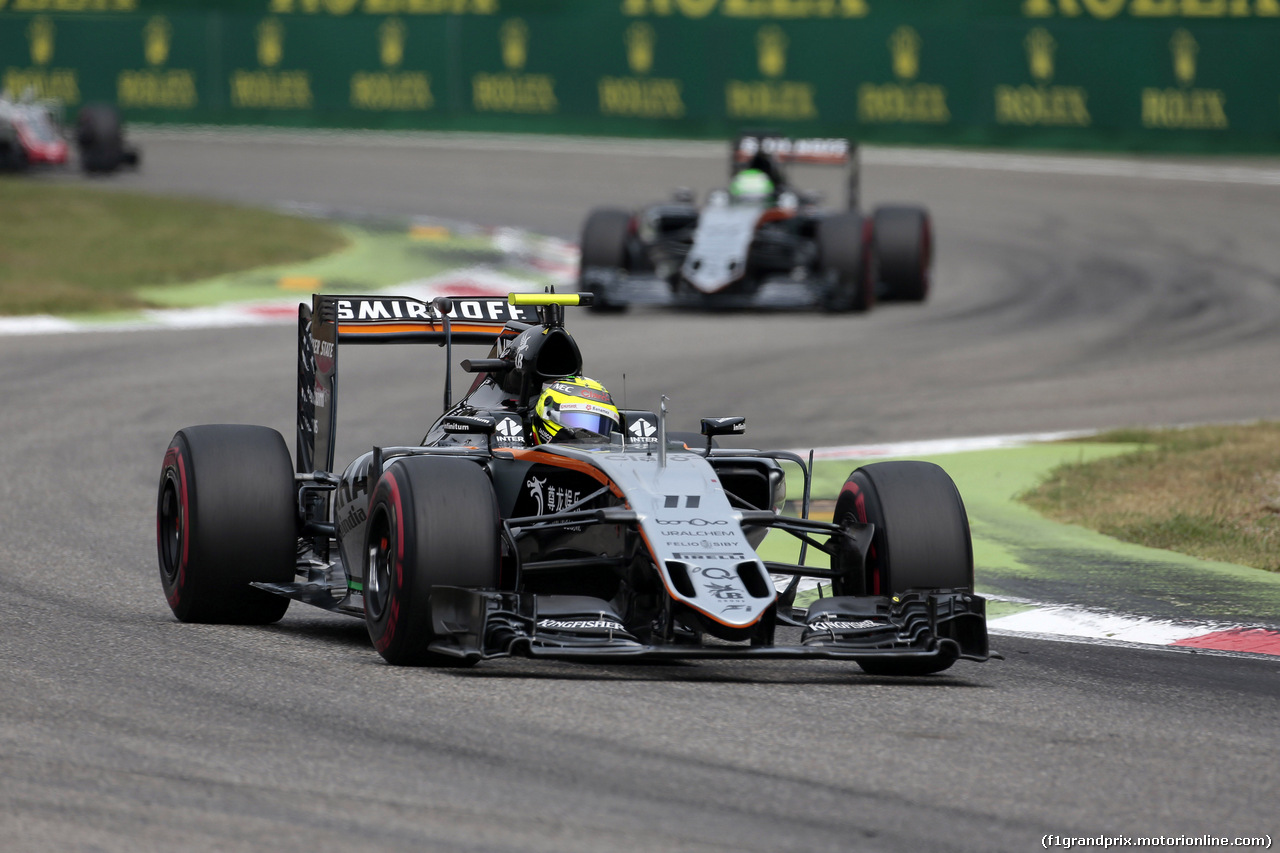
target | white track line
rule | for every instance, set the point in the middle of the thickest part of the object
(939, 446)
(1066, 621)
(997, 631)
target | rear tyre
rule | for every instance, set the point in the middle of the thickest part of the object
(99, 139)
(226, 517)
(433, 521)
(845, 253)
(921, 540)
(604, 245)
(904, 246)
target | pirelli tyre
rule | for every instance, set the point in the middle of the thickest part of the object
(99, 139)
(226, 517)
(921, 540)
(605, 235)
(904, 248)
(433, 521)
(847, 257)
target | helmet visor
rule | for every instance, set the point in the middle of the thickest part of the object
(589, 421)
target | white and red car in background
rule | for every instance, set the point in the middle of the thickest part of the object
(32, 133)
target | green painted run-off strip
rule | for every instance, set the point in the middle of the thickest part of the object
(1018, 553)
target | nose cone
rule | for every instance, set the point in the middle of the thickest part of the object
(54, 152)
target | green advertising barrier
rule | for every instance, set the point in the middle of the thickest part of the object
(1137, 74)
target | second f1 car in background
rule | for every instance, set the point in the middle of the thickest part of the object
(32, 133)
(761, 242)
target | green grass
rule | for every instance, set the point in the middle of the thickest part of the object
(74, 250)
(374, 259)
(1211, 492)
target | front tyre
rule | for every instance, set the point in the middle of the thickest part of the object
(13, 157)
(921, 540)
(100, 138)
(226, 517)
(904, 246)
(605, 235)
(433, 521)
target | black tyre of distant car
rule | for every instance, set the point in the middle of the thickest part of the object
(100, 140)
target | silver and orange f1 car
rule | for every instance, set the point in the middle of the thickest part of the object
(774, 248)
(476, 543)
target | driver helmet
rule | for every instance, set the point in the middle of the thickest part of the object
(574, 407)
(751, 186)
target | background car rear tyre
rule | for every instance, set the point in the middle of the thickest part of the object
(604, 245)
(844, 247)
(226, 517)
(433, 521)
(904, 247)
(99, 138)
(921, 540)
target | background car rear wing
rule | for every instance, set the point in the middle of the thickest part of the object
(769, 151)
(821, 152)
(333, 320)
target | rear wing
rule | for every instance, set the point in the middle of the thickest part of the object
(821, 152)
(332, 321)
(769, 151)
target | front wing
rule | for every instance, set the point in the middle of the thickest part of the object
(938, 624)
(615, 287)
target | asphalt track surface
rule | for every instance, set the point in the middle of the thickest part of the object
(1062, 301)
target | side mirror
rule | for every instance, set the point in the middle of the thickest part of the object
(485, 365)
(723, 426)
(682, 195)
(468, 424)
